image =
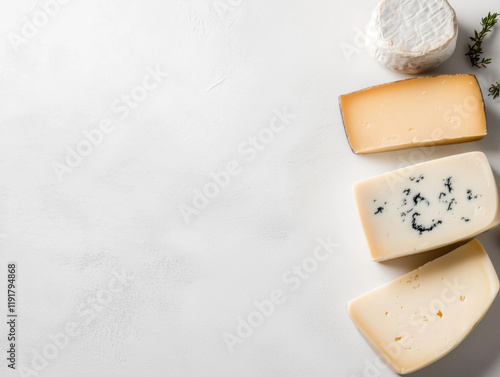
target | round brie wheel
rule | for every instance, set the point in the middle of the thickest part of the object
(412, 36)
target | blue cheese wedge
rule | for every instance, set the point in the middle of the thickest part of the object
(420, 317)
(427, 205)
(412, 36)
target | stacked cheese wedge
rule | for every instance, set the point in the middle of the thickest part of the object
(420, 317)
(428, 205)
(417, 112)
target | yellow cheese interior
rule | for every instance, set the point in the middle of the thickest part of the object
(423, 111)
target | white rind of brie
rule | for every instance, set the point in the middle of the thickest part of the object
(412, 36)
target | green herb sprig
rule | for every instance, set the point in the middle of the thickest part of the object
(476, 49)
(494, 90)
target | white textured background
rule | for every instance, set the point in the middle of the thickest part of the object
(229, 66)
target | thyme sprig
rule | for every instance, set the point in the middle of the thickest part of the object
(476, 49)
(494, 90)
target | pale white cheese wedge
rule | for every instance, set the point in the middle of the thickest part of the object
(412, 36)
(427, 205)
(420, 317)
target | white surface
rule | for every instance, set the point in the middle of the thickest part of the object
(228, 70)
